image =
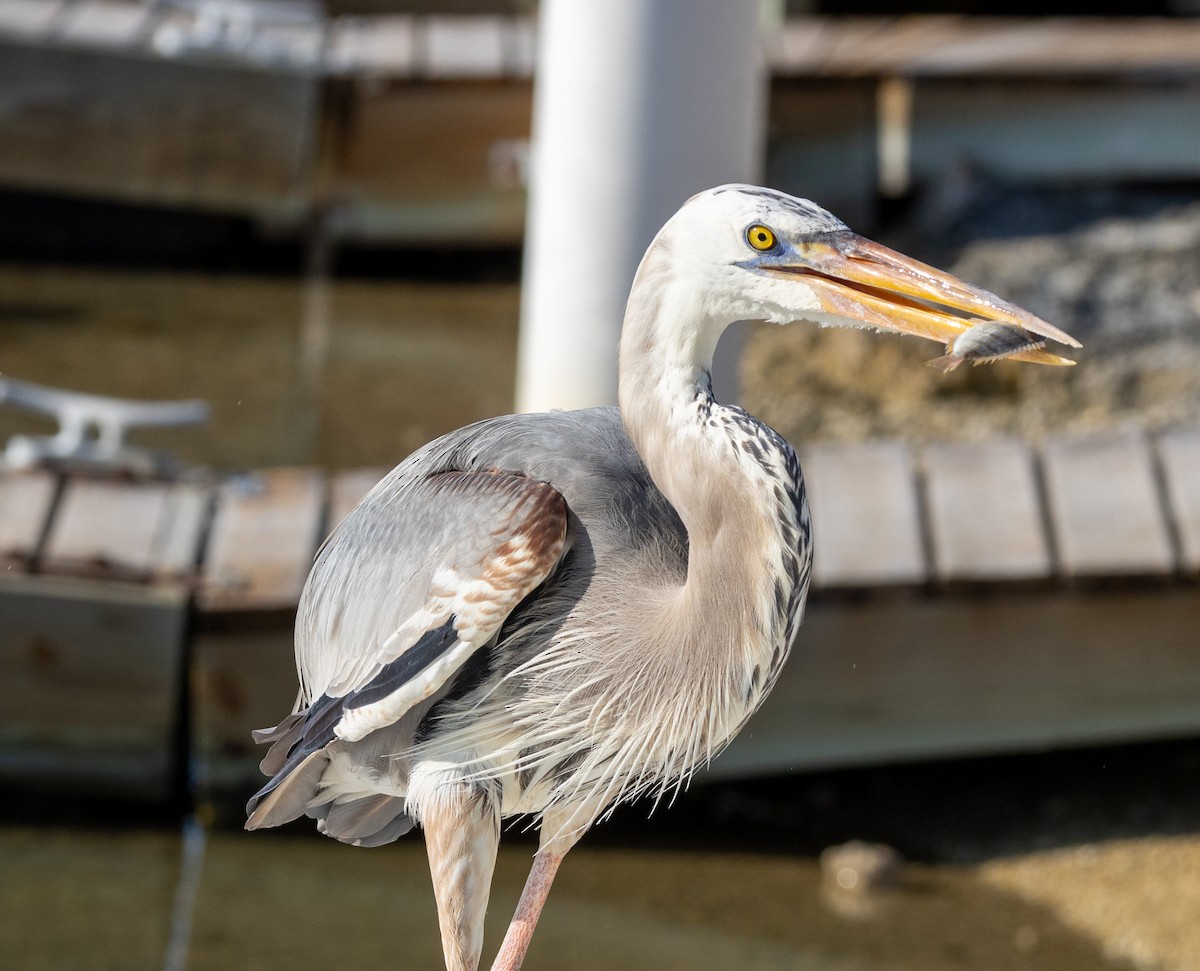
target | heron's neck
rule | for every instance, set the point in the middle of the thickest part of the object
(666, 396)
(733, 481)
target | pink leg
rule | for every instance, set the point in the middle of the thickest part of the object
(533, 898)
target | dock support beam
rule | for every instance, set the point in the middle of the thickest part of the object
(638, 104)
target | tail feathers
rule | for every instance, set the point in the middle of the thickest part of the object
(288, 795)
(277, 755)
(389, 834)
(296, 790)
(294, 742)
(369, 821)
(298, 761)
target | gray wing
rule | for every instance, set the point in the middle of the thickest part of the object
(487, 500)
(413, 583)
(452, 547)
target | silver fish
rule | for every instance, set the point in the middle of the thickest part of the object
(988, 341)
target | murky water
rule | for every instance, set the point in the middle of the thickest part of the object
(397, 363)
(103, 900)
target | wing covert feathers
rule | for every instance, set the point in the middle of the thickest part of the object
(487, 540)
(521, 549)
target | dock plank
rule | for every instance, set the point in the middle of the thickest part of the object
(106, 23)
(1179, 451)
(127, 530)
(242, 678)
(918, 678)
(865, 515)
(90, 676)
(958, 46)
(167, 131)
(182, 529)
(382, 45)
(265, 530)
(106, 527)
(26, 500)
(28, 17)
(984, 514)
(1104, 507)
(464, 47)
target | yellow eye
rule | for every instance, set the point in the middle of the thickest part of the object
(760, 237)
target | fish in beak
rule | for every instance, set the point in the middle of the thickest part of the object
(869, 283)
(987, 342)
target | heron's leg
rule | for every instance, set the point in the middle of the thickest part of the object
(557, 838)
(533, 898)
(462, 832)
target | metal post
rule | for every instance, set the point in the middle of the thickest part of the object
(637, 105)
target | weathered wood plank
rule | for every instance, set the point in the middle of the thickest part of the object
(132, 530)
(181, 532)
(452, 47)
(1179, 451)
(90, 675)
(934, 677)
(463, 47)
(241, 680)
(265, 530)
(984, 513)
(138, 530)
(488, 45)
(978, 46)
(1030, 130)
(106, 23)
(865, 515)
(106, 527)
(383, 45)
(397, 193)
(347, 489)
(164, 130)
(522, 46)
(26, 500)
(28, 17)
(1104, 507)
(868, 682)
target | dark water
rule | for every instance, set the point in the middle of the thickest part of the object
(356, 374)
(76, 898)
(1061, 862)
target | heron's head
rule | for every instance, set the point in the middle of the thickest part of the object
(758, 254)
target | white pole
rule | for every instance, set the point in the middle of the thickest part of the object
(638, 104)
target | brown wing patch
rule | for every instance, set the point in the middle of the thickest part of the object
(530, 526)
(536, 535)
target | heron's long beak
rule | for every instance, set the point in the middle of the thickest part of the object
(865, 281)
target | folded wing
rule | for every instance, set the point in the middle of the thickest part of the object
(415, 582)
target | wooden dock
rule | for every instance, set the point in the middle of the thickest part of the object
(409, 129)
(968, 599)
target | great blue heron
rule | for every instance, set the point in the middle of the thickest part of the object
(553, 614)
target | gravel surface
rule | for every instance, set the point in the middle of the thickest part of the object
(1138, 898)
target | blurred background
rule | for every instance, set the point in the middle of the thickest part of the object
(312, 217)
